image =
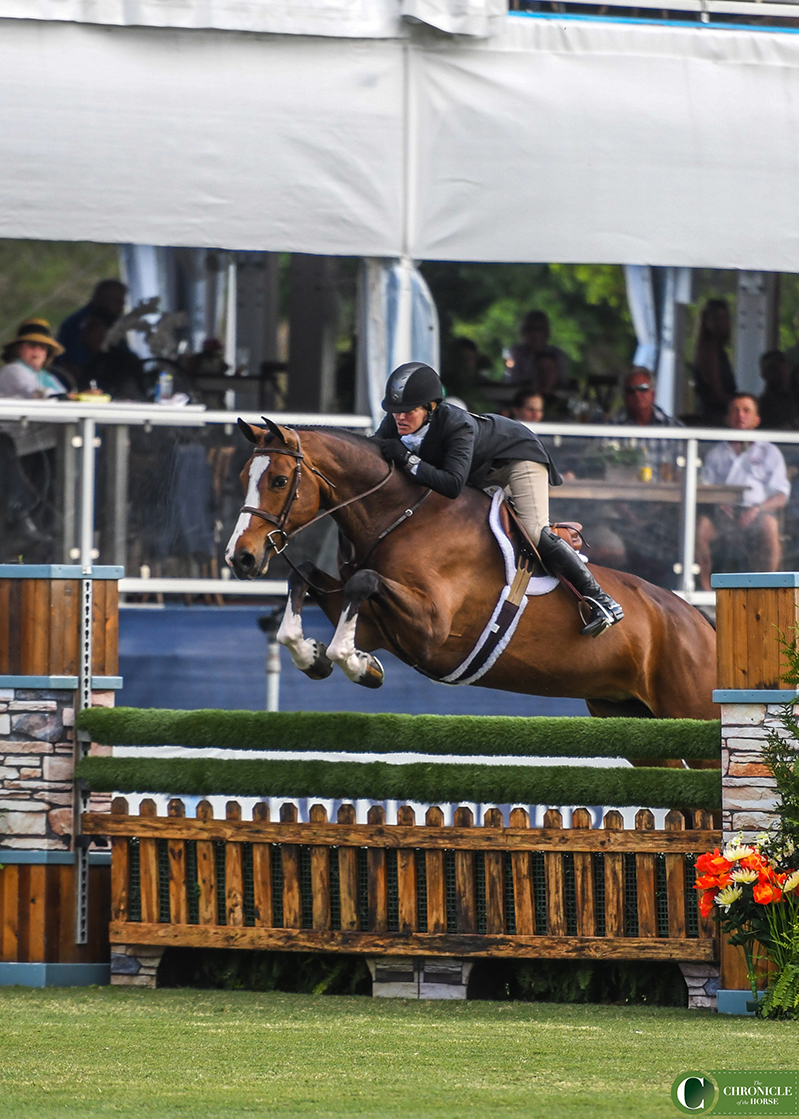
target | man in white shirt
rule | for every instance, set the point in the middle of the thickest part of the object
(761, 469)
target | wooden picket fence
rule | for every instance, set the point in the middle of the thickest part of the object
(407, 889)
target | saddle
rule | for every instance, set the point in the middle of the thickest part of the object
(570, 531)
(529, 562)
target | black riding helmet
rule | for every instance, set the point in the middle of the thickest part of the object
(412, 385)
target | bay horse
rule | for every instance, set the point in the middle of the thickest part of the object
(426, 588)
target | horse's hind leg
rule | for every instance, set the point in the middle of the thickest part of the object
(360, 667)
(308, 655)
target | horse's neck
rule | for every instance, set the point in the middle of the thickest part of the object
(354, 470)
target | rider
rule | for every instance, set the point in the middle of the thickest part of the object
(444, 447)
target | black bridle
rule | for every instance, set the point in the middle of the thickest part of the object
(280, 520)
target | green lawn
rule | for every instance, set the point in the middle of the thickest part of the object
(109, 1051)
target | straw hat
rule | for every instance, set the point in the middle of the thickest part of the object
(33, 330)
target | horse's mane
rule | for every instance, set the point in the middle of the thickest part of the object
(346, 436)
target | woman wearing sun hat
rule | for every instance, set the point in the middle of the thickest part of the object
(26, 357)
(25, 375)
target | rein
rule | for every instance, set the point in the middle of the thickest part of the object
(281, 519)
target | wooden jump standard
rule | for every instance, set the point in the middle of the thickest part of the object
(405, 890)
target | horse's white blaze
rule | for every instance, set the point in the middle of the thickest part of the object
(302, 650)
(342, 649)
(257, 468)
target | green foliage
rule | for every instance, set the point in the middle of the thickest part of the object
(780, 757)
(601, 981)
(225, 969)
(586, 303)
(428, 783)
(50, 279)
(356, 732)
(782, 999)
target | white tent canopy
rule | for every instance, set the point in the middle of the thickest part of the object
(551, 139)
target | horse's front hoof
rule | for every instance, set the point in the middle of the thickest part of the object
(322, 666)
(373, 673)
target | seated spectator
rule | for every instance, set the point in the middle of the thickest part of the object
(26, 357)
(105, 306)
(714, 382)
(25, 376)
(533, 362)
(527, 406)
(777, 404)
(752, 526)
(639, 390)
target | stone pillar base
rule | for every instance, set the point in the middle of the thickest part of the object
(419, 978)
(703, 983)
(134, 965)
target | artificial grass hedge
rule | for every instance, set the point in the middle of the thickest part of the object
(355, 732)
(430, 783)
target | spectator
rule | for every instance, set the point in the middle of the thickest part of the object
(106, 306)
(24, 375)
(752, 525)
(26, 357)
(639, 390)
(714, 382)
(528, 407)
(534, 362)
(777, 404)
(115, 369)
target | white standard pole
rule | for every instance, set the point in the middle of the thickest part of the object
(230, 332)
(273, 674)
(689, 516)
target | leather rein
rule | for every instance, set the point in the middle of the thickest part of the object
(280, 520)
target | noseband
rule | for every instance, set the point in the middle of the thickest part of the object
(280, 520)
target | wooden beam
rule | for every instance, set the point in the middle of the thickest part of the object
(399, 836)
(414, 944)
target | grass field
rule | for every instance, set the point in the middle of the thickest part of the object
(141, 1054)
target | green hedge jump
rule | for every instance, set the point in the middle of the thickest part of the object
(430, 783)
(463, 735)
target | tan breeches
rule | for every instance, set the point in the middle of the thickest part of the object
(528, 485)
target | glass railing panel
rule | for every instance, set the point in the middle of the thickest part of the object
(734, 532)
(627, 492)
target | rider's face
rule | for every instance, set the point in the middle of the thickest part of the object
(409, 422)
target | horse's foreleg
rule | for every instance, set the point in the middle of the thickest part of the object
(360, 667)
(308, 655)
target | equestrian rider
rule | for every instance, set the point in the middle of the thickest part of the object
(444, 448)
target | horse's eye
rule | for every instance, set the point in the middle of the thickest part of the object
(279, 482)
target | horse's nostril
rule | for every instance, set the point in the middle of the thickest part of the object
(244, 563)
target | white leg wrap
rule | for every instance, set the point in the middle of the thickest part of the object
(303, 650)
(342, 650)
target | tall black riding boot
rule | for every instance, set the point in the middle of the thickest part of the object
(561, 559)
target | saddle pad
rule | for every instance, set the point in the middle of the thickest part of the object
(539, 584)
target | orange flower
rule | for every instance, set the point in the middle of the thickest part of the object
(709, 881)
(713, 863)
(707, 902)
(765, 892)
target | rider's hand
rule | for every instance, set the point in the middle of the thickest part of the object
(394, 451)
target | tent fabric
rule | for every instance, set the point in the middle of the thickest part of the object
(556, 139)
(362, 19)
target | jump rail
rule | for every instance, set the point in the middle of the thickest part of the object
(404, 889)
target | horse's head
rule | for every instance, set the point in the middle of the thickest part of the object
(282, 493)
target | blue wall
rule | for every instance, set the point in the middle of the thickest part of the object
(213, 656)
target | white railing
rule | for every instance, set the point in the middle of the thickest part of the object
(705, 9)
(85, 417)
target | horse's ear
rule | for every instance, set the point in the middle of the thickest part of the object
(274, 429)
(247, 431)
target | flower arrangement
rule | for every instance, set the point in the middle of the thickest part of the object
(754, 900)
